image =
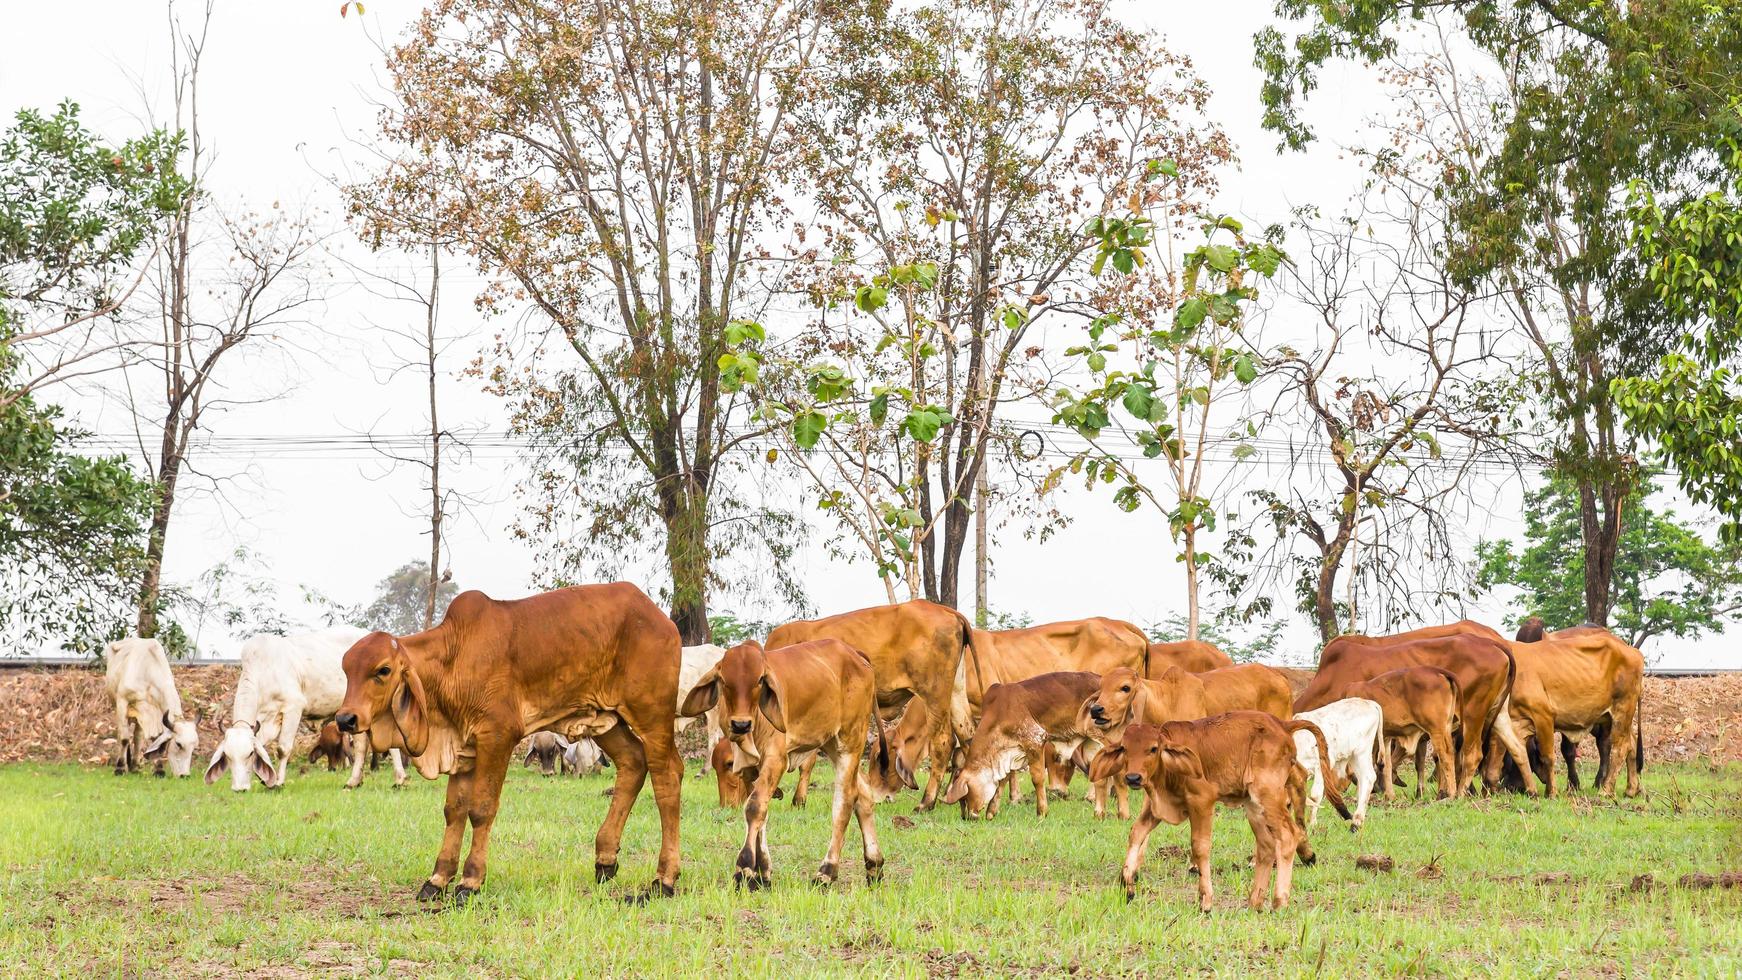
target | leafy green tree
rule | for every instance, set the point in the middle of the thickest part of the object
(1244, 643)
(728, 630)
(74, 212)
(1669, 581)
(1589, 99)
(402, 597)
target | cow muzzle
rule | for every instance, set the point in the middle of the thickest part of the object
(740, 727)
(1099, 715)
(1133, 779)
(347, 722)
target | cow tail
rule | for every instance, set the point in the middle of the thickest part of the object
(1331, 793)
(961, 710)
(1639, 736)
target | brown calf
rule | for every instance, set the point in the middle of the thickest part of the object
(1242, 758)
(330, 745)
(590, 660)
(1017, 724)
(1179, 696)
(734, 791)
(1417, 702)
(786, 704)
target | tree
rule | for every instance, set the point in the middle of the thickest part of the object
(402, 599)
(1162, 384)
(611, 163)
(1242, 644)
(954, 151)
(1669, 581)
(1591, 97)
(205, 316)
(74, 213)
(1396, 420)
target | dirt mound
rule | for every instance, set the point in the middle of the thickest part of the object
(64, 715)
(1693, 717)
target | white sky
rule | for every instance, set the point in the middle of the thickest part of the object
(289, 87)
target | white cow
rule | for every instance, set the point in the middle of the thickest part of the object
(1354, 733)
(698, 660)
(148, 718)
(286, 679)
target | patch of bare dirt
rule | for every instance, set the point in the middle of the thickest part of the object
(1693, 717)
(64, 714)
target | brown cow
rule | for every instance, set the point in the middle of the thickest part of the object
(1179, 696)
(1576, 681)
(1191, 656)
(916, 650)
(784, 704)
(1483, 667)
(590, 660)
(1242, 758)
(1018, 723)
(1417, 702)
(330, 745)
(1533, 630)
(734, 791)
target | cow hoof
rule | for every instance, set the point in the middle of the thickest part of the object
(158, 773)
(429, 892)
(604, 872)
(1130, 893)
(1309, 859)
(399, 785)
(658, 889)
(350, 786)
(463, 895)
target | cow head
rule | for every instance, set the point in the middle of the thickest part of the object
(1145, 758)
(243, 756)
(547, 750)
(384, 695)
(906, 744)
(977, 780)
(1119, 699)
(1531, 630)
(176, 745)
(741, 685)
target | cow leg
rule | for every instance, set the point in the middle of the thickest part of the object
(398, 766)
(1039, 774)
(802, 791)
(1508, 735)
(1315, 796)
(864, 810)
(1202, 818)
(1621, 743)
(1134, 851)
(1387, 767)
(489, 768)
(1600, 733)
(448, 858)
(1444, 767)
(123, 740)
(286, 742)
(359, 748)
(940, 758)
(1282, 828)
(1542, 723)
(1264, 854)
(1442, 743)
(754, 863)
(1363, 767)
(665, 766)
(1123, 795)
(846, 794)
(630, 759)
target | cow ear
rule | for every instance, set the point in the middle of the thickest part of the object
(219, 764)
(411, 712)
(1106, 764)
(1139, 701)
(770, 704)
(155, 749)
(958, 789)
(703, 696)
(261, 766)
(1181, 760)
(531, 751)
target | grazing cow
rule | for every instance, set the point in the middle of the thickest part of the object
(1018, 723)
(1191, 656)
(284, 680)
(1354, 733)
(1482, 665)
(1179, 696)
(330, 745)
(1242, 758)
(547, 749)
(916, 650)
(780, 705)
(583, 757)
(149, 724)
(589, 660)
(734, 790)
(1576, 682)
(1416, 702)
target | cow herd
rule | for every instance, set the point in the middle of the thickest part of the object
(590, 676)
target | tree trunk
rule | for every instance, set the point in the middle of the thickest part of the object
(435, 446)
(981, 560)
(686, 553)
(151, 584)
(1191, 543)
(1600, 531)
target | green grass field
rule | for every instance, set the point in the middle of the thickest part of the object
(102, 875)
